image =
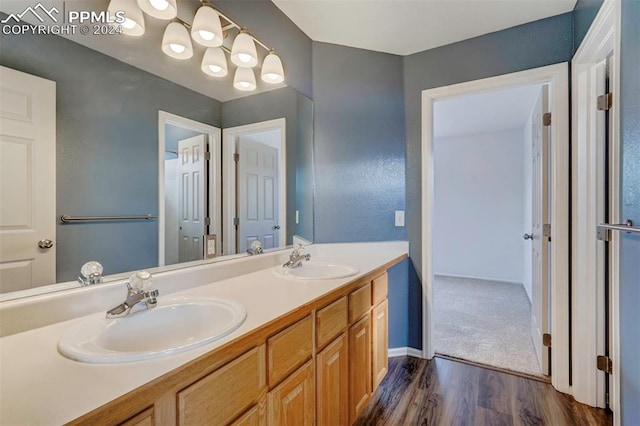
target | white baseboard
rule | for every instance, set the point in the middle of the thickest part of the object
(466, 277)
(406, 351)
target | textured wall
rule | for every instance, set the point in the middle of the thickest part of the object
(358, 144)
(107, 147)
(583, 14)
(630, 199)
(544, 42)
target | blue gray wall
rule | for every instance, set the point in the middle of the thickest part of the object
(630, 209)
(544, 42)
(583, 14)
(358, 144)
(106, 115)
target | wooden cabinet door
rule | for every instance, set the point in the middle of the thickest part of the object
(333, 384)
(292, 402)
(380, 342)
(359, 366)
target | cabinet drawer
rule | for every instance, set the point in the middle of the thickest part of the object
(331, 321)
(289, 349)
(222, 395)
(359, 302)
(380, 288)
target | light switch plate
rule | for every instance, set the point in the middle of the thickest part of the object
(399, 217)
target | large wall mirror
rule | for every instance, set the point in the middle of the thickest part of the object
(125, 137)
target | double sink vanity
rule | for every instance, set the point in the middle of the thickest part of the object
(243, 342)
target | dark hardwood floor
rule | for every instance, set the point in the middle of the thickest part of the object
(446, 392)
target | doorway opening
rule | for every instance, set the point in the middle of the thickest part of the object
(555, 78)
(255, 196)
(189, 190)
(485, 238)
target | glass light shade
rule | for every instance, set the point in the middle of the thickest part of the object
(214, 63)
(176, 41)
(206, 28)
(161, 9)
(133, 24)
(244, 79)
(243, 51)
(272, 71)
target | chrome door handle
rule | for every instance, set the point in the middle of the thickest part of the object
(45, 244)
(528, 236)
(276, 227)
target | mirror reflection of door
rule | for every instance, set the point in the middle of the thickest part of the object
(258, 190)
(255, 196)
(188, 188)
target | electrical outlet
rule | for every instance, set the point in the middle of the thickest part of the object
(399, 217)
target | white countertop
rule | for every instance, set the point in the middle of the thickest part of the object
(39, 386)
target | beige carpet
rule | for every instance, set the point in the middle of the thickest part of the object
(485, 322)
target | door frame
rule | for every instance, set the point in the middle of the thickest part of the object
(601, 41)
(215, 174)
(557, 77)
(229, 179)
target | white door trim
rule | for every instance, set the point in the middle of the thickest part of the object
(214, 198)
(557, 77)
(601, 41)
(229, 179)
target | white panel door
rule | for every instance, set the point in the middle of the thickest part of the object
(258, 195)
(191, 196)
(540, 215)
(27, 180)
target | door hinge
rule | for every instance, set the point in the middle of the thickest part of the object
(603, 234)
(605, 102)
(604, 364)
(236, 221)
(207, 221)
(236, 157)
(546, 119)
(207, 156)
(546, 231)
(546, 340)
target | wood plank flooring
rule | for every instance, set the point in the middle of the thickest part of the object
(446, 392)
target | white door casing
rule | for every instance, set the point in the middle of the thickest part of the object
(257, 195)
(27, 180)
(540, 216)
(191, 198)
(556, 76)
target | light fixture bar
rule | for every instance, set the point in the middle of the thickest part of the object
(233, 24)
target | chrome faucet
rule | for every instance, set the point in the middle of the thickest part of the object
(256, 248)
(139, 297)
(296, 258)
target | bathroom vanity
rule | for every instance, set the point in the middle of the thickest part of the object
(309, 352)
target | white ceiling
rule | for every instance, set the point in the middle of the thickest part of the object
(486, 112)
(403, 27)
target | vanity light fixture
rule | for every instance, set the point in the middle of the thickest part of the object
(176, 41)
(161, 9)
(244, 79)
(243, 51)
(272, 71)
(209, 29)
(206, 28)
(133, 24)
(214, 62)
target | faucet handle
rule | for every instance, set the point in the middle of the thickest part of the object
(152, 295)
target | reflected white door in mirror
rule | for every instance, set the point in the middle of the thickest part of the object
(189, 185)
(255, 195)
(27, 181)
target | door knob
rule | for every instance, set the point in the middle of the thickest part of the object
(528, 236)
(276, 227)
(45, 244)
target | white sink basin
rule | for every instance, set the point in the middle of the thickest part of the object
(317, 270)
(175, 325)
